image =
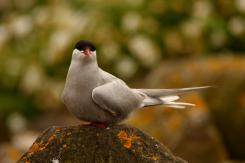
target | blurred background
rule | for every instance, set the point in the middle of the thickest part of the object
(151, 44)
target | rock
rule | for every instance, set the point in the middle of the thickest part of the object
(195, 72)
(228, 112)
(119, 143)
(189, 133)
(224, 104)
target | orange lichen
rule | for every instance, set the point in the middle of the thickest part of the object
(154, 158)
(51, 138)
(40, 146)
(34, 147)
(127, 139)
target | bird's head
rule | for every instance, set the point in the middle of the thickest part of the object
(85, 50)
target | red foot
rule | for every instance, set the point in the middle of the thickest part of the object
(101, 125)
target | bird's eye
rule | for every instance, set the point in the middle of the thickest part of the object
(92, 49)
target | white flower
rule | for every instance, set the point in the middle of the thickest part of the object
(145, 50)
(21, 26)
(192, 28)
(240, 5)
(202, 8)
(131, 21)
(109, 52)
(32, 79)
(126, 67)
(65, 18)
(57, 45)
(42, 16)
(236, 25)
(16, 123)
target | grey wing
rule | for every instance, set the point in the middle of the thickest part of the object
(117, 98)
(107, 77)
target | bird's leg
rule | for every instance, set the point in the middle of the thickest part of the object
(99, 124)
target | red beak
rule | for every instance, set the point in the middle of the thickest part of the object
(87, 51)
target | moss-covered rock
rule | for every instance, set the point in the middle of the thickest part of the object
(118, 143)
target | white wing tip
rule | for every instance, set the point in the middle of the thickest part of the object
(179, 105)
(169, 98)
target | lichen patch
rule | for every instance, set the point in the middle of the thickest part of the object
(127, 139)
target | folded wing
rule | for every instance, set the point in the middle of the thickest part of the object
(116, 98)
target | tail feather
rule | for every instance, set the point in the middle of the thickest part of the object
(169, 101)
(179, 105)
(176, 106)
(151, 101)
(169, 92)
(167, 97)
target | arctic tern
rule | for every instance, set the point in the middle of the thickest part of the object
(98, 97)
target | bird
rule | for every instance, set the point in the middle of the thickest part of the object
(102, 99)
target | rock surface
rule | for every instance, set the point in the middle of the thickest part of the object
(223, 107)
(118, 143)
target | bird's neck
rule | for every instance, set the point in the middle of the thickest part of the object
(83, 74)
(91, 64)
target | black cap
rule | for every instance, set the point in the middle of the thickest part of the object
(82, 44)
